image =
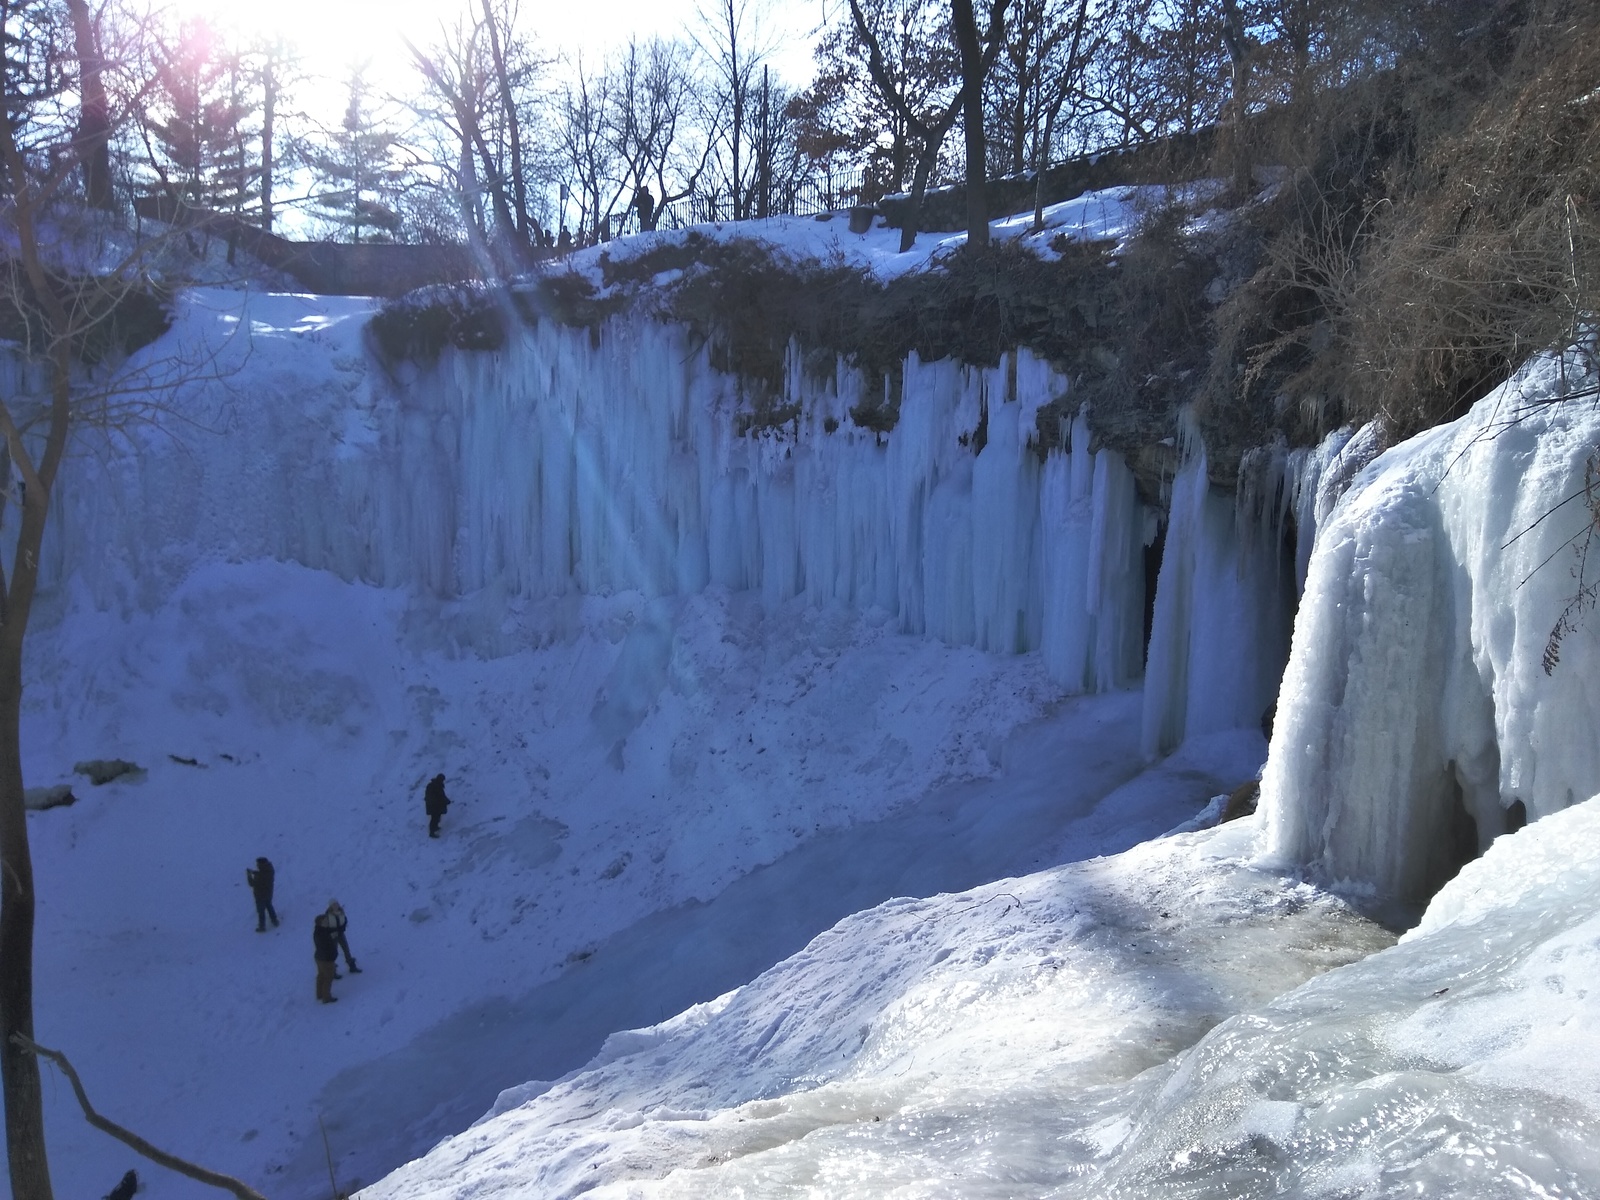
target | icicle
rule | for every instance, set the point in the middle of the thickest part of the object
(563, 464)
(1222, 618)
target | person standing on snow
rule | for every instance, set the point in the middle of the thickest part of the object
(260, 881)
(434, 802)
(328, 939)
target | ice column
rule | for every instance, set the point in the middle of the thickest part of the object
(618, 459)
(1415, 696)
(1222, 617)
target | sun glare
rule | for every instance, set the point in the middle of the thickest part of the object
(332, 36)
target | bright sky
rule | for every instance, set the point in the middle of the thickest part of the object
(333, 34)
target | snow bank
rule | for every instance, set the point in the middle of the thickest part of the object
(1108, 1030)
(958, 1046)
(1415, 714)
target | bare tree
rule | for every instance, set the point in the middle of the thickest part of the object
(498, 20)
(92, 144)
(650, 108)
(1082, 44)
(460, 74)
(1241, 48)
(927, 123)
(483, 73)
(65, 329)
(586, 150)
(734, 44)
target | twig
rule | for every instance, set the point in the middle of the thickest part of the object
(327, 1149)
(171, 1161)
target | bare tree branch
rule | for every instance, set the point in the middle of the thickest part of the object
(128, 1138)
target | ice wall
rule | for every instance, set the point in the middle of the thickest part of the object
(1224, 604)
(1415, 696)
(573, 461)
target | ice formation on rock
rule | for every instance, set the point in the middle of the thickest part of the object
(1415, 717)
(1224, 604)
(573, 462)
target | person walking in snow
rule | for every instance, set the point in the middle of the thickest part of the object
(434, 803)
(327, 940)
(260, 881)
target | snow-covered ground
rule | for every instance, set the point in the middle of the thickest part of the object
(787, 769)
(1107, 215)
(751, 887)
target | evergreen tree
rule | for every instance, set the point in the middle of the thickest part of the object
(35, 57)
(200, 136)
(357, 166)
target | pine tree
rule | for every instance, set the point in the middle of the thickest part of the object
(203, 144)
(358, 167)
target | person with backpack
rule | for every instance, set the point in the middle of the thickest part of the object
(260, 880)
(327, 940)
(434, 803)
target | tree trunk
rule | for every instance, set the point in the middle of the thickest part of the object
(269, 108)
(1041, 159)
(92, 145)
(19, 1079)
(513, 128)
(1236, 41)
(19, 1070)
(919, 188)
(972, 71)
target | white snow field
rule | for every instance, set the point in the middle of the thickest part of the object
(795, 757)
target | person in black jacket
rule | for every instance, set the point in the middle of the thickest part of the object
(434, 802)
(327, 940)
(260, 881)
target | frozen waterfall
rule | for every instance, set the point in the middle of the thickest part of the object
(613, 460)
(1416, 722)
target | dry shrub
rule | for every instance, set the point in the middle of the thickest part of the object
(1493, 254)
(1440, 230)
(1154, 345)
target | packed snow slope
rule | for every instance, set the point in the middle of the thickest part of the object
(1127, 1027)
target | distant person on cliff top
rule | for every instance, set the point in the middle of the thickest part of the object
(434, 803)
(646, 204)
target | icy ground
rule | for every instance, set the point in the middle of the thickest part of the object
(1109, 1029)
(839, 884)
(652, 806)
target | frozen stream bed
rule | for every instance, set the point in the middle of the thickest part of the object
(1162, 1023)
(997, 1042)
